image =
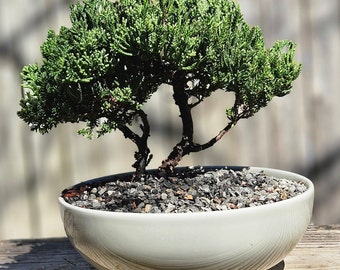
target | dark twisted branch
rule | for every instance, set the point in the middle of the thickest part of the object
(187, 145)
(180, 96)
(142, 155)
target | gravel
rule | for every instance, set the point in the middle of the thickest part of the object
(195, 191)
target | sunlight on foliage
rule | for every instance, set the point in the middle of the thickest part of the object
(116, 54)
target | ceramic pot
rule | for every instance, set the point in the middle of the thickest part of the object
(248, 238)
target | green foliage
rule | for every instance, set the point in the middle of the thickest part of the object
(115, 55)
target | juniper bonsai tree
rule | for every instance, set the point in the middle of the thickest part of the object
(116, 54)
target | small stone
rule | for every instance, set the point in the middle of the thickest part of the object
(284, 195)
(80, 204)
(96, 204)
(292, 189)
(164, 196)
(205, 200)
(188, 197)
(147, 187)
(170, 208)
(102, 190)
(223, 207)
(148, 208)
(192, 192)
(272, 196)
(217, 200)
(141, 205)
(155, 209)
(189, 182)
(133, 191)
(185, 187)
(193, 209)
(205, 188)
(180, 192)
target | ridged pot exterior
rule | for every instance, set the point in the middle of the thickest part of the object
(249, 238)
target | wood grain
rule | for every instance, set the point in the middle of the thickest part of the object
(318, 249)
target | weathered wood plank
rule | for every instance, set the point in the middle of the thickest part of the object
(318, 249)
(52, 253)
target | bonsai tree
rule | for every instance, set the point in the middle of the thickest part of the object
(116, 54)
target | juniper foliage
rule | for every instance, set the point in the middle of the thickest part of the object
(116, 54)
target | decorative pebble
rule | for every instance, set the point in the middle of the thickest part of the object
(213, 190)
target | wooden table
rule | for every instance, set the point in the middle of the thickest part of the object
(318, 249)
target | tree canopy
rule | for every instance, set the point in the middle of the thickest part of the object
(116, 54)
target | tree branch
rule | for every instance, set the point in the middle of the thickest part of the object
(181, 100)
(199, 147)
(187, 145)
(142, 155)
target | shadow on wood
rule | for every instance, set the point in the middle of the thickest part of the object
(55, 253)
(279, 266)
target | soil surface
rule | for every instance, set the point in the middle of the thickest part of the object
(195, 190)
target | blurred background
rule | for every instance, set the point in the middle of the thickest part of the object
(299, 132)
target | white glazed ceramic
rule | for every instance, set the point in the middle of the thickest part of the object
(249, 238)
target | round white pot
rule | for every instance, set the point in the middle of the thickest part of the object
(248, 238)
